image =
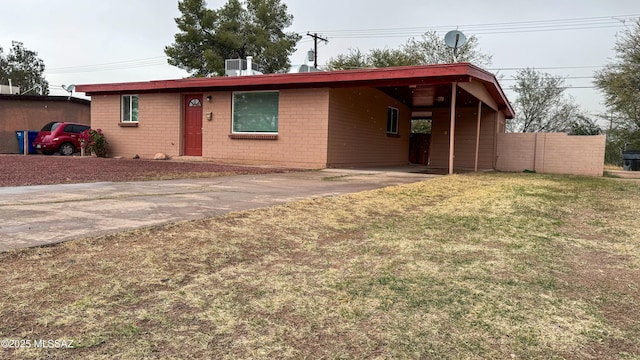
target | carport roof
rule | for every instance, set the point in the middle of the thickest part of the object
(404, 76)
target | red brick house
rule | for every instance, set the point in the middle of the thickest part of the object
(308, 120)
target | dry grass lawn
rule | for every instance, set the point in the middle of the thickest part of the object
(462, 267)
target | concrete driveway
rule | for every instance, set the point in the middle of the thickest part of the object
(46, 214)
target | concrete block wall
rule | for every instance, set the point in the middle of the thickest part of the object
(553, 153)
(302, 131)
(158, 128)
(358, 129)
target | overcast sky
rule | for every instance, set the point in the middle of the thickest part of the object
(88, 41)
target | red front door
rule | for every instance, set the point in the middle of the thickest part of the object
(193, 125)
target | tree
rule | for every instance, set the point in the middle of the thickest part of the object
(354, 59)
(377, 58)
(541, 105)
(620, 83)
(421, 126)
(583, 125)
(239, 29)
(428, 49)
(24, 68)
(431, 49)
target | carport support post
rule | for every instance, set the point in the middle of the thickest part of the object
(478, 135)
(25, 142)
(452, 127)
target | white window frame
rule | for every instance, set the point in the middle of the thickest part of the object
(394, 126)
(122, 102)
(233, 112)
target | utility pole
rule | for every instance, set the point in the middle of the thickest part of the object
(316, 37)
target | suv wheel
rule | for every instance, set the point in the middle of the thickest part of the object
(67, 149)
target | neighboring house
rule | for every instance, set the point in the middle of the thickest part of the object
(28, 112)
(308, 120)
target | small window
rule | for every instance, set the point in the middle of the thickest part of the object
(195, 103)
(129, 108)
(255, 112)
(392, 120)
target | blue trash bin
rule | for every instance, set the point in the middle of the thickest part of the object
(31, 137)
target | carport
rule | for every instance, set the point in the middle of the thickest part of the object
(468, 109)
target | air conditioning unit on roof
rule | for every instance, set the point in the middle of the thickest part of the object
(241, 67)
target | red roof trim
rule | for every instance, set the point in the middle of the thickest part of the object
(396, 76)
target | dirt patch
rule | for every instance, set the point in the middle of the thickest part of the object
(613, 282)
(624, 174)
(18, 170)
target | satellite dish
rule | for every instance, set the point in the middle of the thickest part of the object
(455, 39)
(69, 89)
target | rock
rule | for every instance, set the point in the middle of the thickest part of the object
(136, 156)
(161, 156)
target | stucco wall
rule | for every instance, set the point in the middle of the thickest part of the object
(18, 115)
(357, 129)
(158, 127)
(465, 138)
(302, 131)
(554, 153)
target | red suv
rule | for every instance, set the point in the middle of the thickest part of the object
(59, 136)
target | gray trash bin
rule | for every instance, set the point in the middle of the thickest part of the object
(631, 160)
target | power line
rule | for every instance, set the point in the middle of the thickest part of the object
(110, 66)
(492, 28)
(562, 77)
(547, 68)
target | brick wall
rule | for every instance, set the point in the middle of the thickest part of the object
(357, 129)
(465, 138)
(159, 124)
(32, 114)
(357, 124)
(302, 131)
(554, 153)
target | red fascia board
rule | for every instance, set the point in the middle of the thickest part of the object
(396, 76)
(315, 79)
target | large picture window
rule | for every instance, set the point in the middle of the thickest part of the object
(255, 112)
(392, 120)
(129, 108)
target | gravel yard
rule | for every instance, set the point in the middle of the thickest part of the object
(19, 170)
